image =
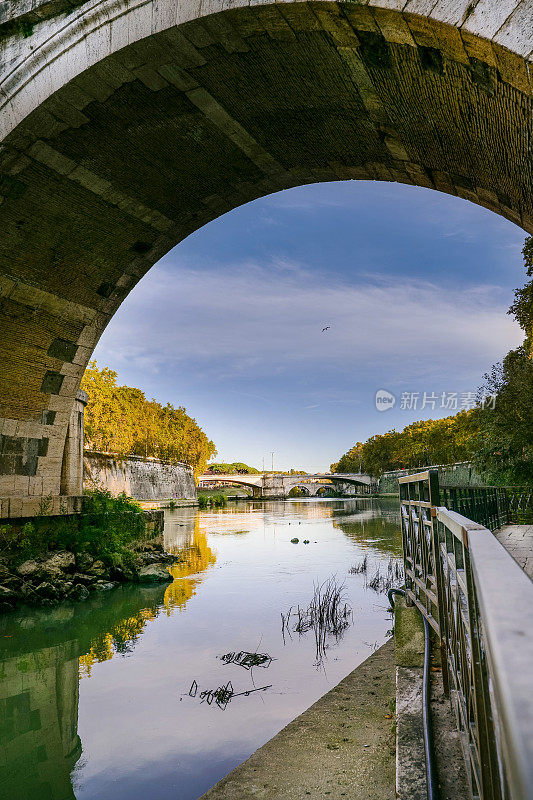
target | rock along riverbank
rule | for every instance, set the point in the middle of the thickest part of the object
(46, 581)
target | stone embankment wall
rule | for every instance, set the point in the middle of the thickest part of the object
(461, 474)
(144, 479)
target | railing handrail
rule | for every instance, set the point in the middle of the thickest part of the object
(457, 523)
(505, 598)
(417, 476)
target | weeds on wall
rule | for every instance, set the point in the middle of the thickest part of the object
(109, 528)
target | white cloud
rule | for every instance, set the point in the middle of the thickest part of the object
(250, 319)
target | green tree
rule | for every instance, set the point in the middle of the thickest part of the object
(504, 443)
(120, 420)
(522, 308)
(440, 441)
(237, 467)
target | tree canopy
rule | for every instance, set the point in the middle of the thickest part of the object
(235, 468)
(440, 441)
(503, 447)
(120, 420)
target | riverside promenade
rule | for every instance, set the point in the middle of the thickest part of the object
(518, 541)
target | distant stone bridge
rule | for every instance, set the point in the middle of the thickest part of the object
(280, 485)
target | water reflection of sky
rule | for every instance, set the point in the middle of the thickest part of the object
(142, 736)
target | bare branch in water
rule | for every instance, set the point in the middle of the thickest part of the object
(393, 577)
(223, 695)
(358, 568)
(247, 660)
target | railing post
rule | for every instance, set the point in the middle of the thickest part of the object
(419, 499)
(406, 531)
(434, 495)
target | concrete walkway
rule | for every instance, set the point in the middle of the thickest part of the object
(518, 541)
(341, 747)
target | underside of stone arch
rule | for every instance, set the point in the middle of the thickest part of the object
(124, 127)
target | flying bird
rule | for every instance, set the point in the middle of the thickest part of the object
(326, 328)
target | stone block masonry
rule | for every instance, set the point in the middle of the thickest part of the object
(143, 479)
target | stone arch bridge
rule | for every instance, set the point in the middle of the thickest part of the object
(278, 486)
(125, 125)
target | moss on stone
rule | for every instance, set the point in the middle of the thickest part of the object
(408, 635)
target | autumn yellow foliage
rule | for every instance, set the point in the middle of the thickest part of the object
(120, 420)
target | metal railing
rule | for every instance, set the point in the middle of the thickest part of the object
(478, 600)
(489, 506)
(519, 503)
(492, 506)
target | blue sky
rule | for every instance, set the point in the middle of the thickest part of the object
(414, 285)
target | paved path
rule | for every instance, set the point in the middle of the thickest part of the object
(341, 747)
(518, 540)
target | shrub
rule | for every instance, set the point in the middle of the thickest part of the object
(212, 501)
(109, 528)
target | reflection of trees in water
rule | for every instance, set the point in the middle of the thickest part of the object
(120, 639)
(43, 654)
(385, 507)
(39, 678)
(196, 558)
(376, 524)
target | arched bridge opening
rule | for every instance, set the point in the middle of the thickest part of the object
(126, 126)
(326, 490)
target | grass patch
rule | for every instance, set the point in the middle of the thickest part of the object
(328, 616)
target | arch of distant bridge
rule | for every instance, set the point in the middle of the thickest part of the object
(279, 485)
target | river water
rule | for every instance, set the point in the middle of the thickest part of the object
(95, 697)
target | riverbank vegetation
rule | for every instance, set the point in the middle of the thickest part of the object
(120, 420)
(234, 490)
(440, 441)
(218, 500)
(504, 446)
(107, 526)
(497, 437)
(53, 558)
(238, 468)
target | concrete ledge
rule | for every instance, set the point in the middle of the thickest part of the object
(341, 747)
(410, 753)
(410, 757)
(21, 508)
(149, 505)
